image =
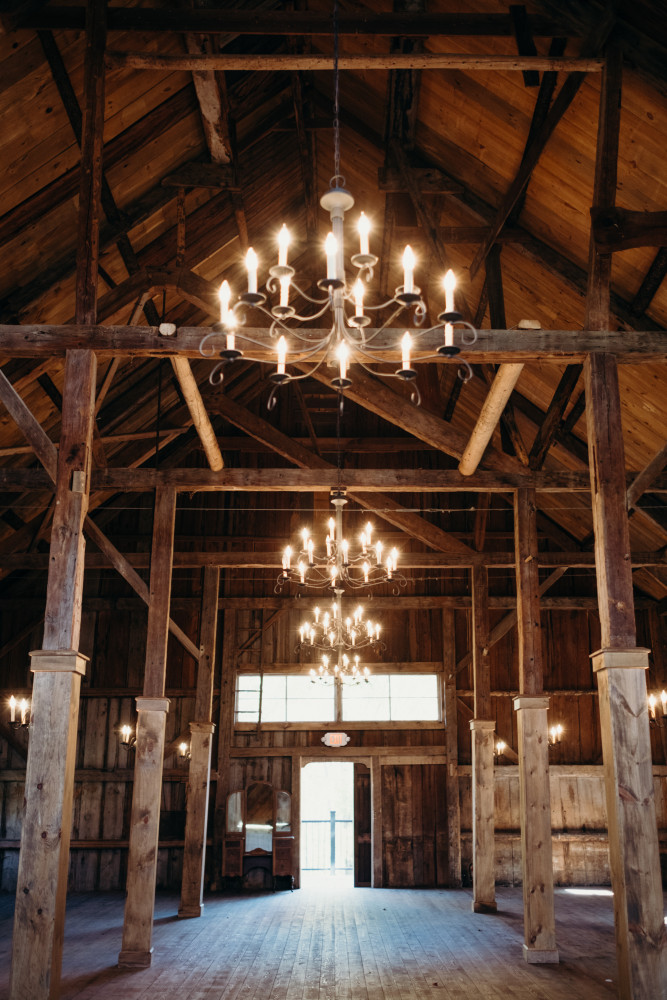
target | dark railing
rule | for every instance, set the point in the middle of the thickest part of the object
(327, 844)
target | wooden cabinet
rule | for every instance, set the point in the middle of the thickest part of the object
(258, 833)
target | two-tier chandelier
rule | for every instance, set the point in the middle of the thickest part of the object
(349, 336)
(334, 635)
(341, 564)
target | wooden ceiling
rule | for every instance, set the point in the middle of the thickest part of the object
(269, 133)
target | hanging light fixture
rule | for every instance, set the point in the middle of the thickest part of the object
(349, 337)
(340, 565)
(332, 629)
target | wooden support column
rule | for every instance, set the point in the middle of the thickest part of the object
(482, 728)
(297, 765)
(451, 735)
(39, 916)
(376, 823)
(199, 776)
(539, 922)
(641, 942)
(136, 949)
(225, 736)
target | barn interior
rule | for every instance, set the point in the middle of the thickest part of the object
(510, 729)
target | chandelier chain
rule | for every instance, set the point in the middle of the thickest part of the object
(336, 122)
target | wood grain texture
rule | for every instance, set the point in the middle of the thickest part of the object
(531, 668)
(483, 855)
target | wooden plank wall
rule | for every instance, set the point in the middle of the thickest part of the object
(414, 819)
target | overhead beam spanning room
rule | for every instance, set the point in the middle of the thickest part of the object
(333, 475)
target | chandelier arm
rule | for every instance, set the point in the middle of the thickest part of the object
(307, 297)
(390, 319)
(308, 319)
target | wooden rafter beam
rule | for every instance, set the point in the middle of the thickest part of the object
(549, 427)
(35, 340)
(647, 477)
(620, 229)
(566, 95)
(197, 407)
(501, 389)
(221, 62)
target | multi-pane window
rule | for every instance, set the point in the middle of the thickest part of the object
(295, 698)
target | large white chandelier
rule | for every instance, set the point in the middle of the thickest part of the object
(349, 336)
(340, 565)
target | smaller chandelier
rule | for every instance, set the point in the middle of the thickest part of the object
(343, 670)
(340, 566)
(330, 630)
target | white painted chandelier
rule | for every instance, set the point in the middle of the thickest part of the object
(349, 335)
(340, 565)
(334, 636)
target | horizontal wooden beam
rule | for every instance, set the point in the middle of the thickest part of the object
(620, 229)
(281, 22)
(317, 480)
(221, 62)
(491, 346)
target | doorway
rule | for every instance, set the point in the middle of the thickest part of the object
(327, 824)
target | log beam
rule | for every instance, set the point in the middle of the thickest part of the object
(197, 408)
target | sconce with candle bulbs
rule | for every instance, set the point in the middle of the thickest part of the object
(657, 715)
(19, 713)
(499, 751)
(555, 735)
(184, 753)
(127, 738)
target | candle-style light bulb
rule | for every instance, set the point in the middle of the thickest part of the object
(302, 571)
(378, 552)
(366, 569)
(663, 699)
(408, 269)
(225, 296)
(311, 551)
(287, 556)
(364, 230)
(282, 355)
(344, 547)
(406, 346)
(284, 240)
(182, 747)
(332, 529)
(304, 538)
(12, 709)
(450, 284)
(343, 355)
(317, 615)
(358, 290)
(331, 249)
(284, 290)
(24, 710)
(251, 266)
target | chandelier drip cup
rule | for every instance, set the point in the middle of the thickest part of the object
(350, 335)
(340, 565)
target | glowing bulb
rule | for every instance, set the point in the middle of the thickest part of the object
(12, 709)
(225, 296)
(358, 291)
(449, 281)
(251, 266)
(343, 354)
(284, 240)
(378, 552)
(408, 269)
(282, 355)
(651, 704)
(406, 345)
(284, 289)
(287, 556)
(364, 230)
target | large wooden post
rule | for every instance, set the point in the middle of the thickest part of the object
(641, 943)
(451, 736)
(39, 915)
(376, 823)
(539, 922)
(39, 918)
(225, 736)
(482, 728)
(199, 777)
(136, 949)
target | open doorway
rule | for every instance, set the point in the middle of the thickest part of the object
(327, 824)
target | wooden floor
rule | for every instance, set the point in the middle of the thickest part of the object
(338, 944)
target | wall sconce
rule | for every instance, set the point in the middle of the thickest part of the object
(655, 717)
(555, 735)
(184, 752)
(126, 738)
(23, 719)
(498, 751)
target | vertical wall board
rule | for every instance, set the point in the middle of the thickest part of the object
(422, 865)
(136, 653)
(438, 773)
(95, 732)
(109, 872)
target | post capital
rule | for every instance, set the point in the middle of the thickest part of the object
(63, 660)
(202, 727)
(540, 702)
(152, 704)
(628, 658)
(482, 724)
